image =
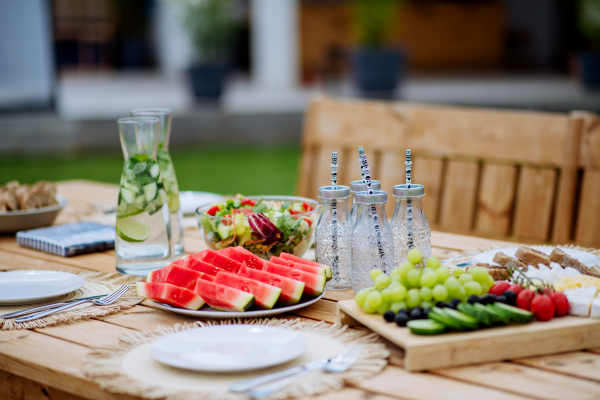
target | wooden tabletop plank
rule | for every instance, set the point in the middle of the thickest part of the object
(145, 318)
(526, 381)
(581, 364)
(349, 394)
(424, 386)
(322, 310)
(465, 243)
(338, 295)
(86, 332)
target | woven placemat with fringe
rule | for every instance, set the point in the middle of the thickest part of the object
(96, 283)
(108, 365)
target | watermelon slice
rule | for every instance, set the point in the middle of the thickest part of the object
(207, 277)
(181, 262)
(315, 284)
(240, 254)
(219, 260)
(291, 290)
(170, 294)
(265, 295)
(302, 267)
(175, 275)
(224, 298)
(291, 257)
(198, 265)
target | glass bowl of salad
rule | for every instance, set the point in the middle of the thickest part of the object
(265, 225)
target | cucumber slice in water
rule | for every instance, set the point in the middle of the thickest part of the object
(131, 230)
(425, 327)
(154, 170)
(128, 195)
(150, 190)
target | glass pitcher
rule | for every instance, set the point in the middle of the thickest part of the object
(167, 172)
(143, 226)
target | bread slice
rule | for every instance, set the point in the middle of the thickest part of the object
(560, 257)
(498, 273)
(508, 261)
(529, 256)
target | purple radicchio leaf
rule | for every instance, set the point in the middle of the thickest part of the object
(263, 228)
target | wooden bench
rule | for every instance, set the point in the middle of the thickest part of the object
(505, 174)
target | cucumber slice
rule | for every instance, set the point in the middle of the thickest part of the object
(425, 327)
(439, 315)
(471, 311)
(465, 320)
(493, 316)
(506, 319)
(224, 231)
(498, 317)
(154, 171)
(128, 195)
(516, 314)
(150, 190)
(131, 186)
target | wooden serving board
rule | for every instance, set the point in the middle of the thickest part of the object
(495, 344)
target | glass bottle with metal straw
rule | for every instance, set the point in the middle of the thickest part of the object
(409, 224)
(372, 240)
(168, 179)
(333, 232)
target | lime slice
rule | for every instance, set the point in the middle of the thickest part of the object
(131, 230)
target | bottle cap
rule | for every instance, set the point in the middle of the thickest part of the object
(405, 191)
(378, 196)
(329, 192)
(360, 186)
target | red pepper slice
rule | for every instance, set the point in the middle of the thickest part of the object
(213, 210)
(308, 220)
(295, 212)
(307, 207)
(248, 202)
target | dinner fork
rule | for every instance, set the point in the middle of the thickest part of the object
(336, 364)
(109, 299)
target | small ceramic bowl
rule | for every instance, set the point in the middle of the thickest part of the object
(20, 220)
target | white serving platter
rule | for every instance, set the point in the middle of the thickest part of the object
(588, 259)
(228, 348)
(191, 200)
(207, 312)
(24, 287)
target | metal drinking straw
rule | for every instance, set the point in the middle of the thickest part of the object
(367, 178)
(361, 153)
(334, 244)
(409, 218)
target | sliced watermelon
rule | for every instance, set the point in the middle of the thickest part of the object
(219, 260)
(175, 275)
(181, 262)
(207, 277)
(240, 254)
(170, 294)
(291, 257)
(265, 295)
(315, 284)
(221, 297)
(198, 265)
(302, 267)
(291, 290)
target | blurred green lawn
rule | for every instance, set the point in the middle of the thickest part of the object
(220, 169)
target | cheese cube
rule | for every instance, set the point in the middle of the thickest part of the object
(580, 300)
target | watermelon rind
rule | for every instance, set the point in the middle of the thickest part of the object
(291, 289)
(291, 257)
(170, 294)
(314, 284)
(223, 298)
(265, 295)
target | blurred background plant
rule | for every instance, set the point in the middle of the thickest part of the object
(374, 21)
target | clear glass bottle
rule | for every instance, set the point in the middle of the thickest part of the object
(143, 226)
(360, 186)
(333, 235)
(409, 224)
(167, 172)
(372, 239)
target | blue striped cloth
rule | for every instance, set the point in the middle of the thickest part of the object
(69, 240)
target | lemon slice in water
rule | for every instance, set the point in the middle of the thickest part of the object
(131, 230)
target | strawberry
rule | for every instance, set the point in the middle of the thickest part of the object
(542, 307)
(561, 304)
(516, 288)
(499, 287)
(524, 299)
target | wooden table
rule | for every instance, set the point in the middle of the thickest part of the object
(46, 363)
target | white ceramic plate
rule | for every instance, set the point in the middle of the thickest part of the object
(24, 287)
(207, 312)
(228, 348)
(585, 258)
(189, 201)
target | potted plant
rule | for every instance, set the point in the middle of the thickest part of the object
(211, 25)
(589, 25)
(377, 66)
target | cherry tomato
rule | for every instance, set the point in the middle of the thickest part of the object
(524, 299)
(247, 202)
(306, 206)
(516, 288)
(542, 307)
(213, 210)
(499, 287)
(561, 303)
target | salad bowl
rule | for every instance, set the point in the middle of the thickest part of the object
(265, 225)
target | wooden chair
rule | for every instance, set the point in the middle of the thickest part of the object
(496, 173)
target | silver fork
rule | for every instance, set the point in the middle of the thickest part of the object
(109, 299)
(336, 364)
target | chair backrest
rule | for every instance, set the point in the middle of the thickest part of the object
(487, 172)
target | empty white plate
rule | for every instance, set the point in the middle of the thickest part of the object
(24, 287)
(189, 201)
(228, 348)
(587, 259)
